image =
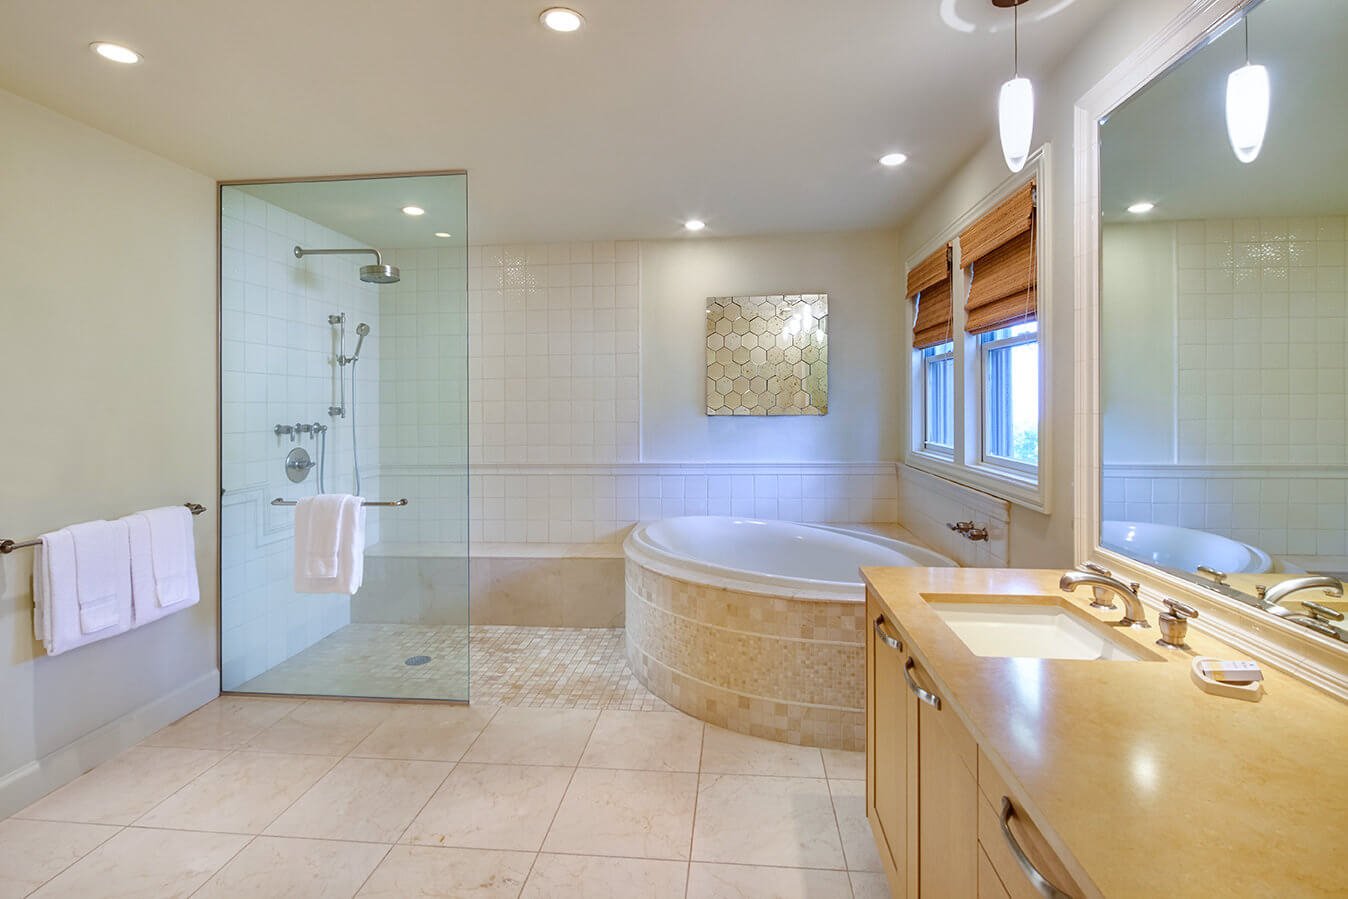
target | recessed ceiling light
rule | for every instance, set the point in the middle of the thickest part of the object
(413, 210)
(443, 234)
(559, 18)
(893, 159)
(1141, 207)
(694, 224)
(115, 52)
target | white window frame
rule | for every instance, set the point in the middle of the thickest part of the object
(923, 366)
(985, 349)
(1024, 485)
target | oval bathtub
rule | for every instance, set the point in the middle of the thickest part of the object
(1169, 546)
(757, 626)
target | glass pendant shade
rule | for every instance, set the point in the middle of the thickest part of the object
(1247, 102)
(1015, 119)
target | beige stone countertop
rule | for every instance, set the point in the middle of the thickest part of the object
(1144, 784)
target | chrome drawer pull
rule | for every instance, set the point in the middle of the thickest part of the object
(1040, 882)
(892, 642)
(930, 699)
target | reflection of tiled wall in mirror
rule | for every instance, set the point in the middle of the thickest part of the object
(767, 355)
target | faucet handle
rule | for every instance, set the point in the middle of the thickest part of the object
(1180, 609)
(1261, 591)
(1322, 612)
(962, 527)
(1174, 622)
(1216, 575)
(1095, 569)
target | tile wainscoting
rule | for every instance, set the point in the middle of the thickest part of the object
(930, 503)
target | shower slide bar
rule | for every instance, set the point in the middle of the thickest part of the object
(388, 502)
(8, 546)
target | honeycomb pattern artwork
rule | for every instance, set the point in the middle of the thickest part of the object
(767, 355)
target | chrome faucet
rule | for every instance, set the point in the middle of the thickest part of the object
(1134, 615)
(1280, 591)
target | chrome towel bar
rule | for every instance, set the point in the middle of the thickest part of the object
(387, 502)
(8, 546)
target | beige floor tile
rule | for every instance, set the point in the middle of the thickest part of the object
(779, 821)
(438, 873)
(363, 799)
(225, 723)
(840, 764)
(122, 789)
(726, 752)
(137, 863)
(646, 741)
(849, 805)
(593, 877)
(324, 727)
(33, 852)
(752, 882)
(242, 794)
(295, 869)
(638, 814)
(492, 807)
(869, 885)
(427, 732)
(534, 737)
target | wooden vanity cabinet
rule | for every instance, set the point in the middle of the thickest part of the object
(932, 797)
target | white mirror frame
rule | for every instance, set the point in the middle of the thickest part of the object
(1316, 659)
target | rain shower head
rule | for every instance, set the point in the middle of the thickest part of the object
(379, 273)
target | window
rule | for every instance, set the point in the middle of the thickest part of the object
(938, 392)
(1009, 361)
(978, 379)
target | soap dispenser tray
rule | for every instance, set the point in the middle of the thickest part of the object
(1252, 692)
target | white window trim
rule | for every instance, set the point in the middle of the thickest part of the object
(1030, 490)
(922, 365)
(1009, 466)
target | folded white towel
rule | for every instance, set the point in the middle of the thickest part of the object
(163, 563)
(82, 585)
(329, 543)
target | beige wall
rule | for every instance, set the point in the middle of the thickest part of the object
(107, 361)
(860, 271)
(1039, 540)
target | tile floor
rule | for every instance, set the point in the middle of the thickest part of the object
(553, 667)
(251, 797)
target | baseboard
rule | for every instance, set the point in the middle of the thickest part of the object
(30, 782)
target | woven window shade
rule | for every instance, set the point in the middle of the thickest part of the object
(999, 253)
(929, 287)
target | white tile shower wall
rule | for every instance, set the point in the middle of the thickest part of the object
(277, 368)
(1261, 312)
(928, 505)
(1280, 509)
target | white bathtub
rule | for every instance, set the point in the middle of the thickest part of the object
(1182, 548)
(776, 557)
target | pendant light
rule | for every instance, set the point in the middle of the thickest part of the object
(1015, 104)
(1247, 102)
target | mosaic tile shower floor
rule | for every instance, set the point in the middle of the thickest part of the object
(537, 667)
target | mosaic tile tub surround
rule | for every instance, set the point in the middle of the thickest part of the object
(790, 670)
(767, 355)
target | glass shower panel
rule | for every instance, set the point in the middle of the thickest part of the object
(344, 370)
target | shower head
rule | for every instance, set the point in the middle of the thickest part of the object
(362, 330)
(379, 273)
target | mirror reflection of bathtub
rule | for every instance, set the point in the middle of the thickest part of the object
(1184, 549)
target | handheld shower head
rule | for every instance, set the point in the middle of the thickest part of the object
(362, 330)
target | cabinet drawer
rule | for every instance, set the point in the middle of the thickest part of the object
(989, 884)
(1017, 882)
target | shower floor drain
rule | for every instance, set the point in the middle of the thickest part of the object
(417, 660)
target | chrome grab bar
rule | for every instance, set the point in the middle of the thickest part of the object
(892, 642)
(388, 502)
(930, 699)
(8, 546)
(1036, 877)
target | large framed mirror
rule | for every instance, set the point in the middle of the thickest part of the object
(1215, 445)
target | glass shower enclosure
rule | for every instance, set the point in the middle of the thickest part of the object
(344, 369)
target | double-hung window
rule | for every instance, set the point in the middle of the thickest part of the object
(977, 367)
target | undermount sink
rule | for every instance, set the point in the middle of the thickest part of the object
(1034, 627)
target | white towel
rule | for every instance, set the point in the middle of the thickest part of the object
(329, 544)
(163, 563)
(82, 585)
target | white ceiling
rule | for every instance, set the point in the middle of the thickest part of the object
(758, 115)
(1168, 144)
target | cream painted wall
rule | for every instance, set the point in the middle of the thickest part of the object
(1039, 540)
(107, 329)
(860, 271)
(1137, 342)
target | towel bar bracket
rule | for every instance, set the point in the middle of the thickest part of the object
(8, 546)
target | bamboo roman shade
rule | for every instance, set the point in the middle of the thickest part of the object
(998, 252)
(929, 287)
